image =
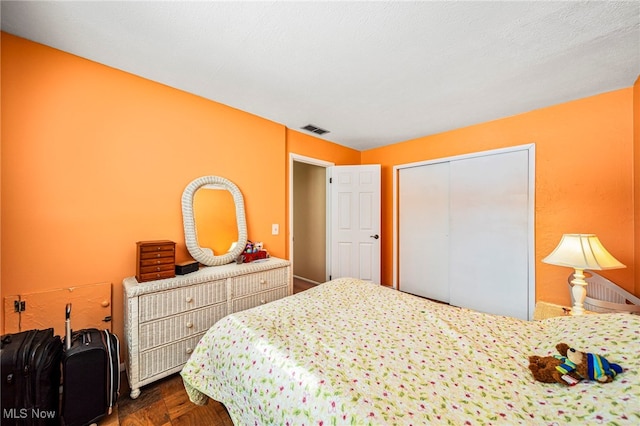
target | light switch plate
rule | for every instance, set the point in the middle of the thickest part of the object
(275, 229)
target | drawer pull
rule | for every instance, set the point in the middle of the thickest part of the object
(189, 350)
(189, 299)
(263, 281)
(189, 324)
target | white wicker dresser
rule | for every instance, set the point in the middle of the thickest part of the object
(165, 319)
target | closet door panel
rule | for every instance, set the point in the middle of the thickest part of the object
(423, 242)
(489, 238)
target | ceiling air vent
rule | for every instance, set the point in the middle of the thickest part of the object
(314, 129)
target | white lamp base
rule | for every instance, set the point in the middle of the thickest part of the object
(579, 291)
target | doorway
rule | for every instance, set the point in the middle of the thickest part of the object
(307, 220)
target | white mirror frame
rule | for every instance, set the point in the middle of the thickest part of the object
(205, 256)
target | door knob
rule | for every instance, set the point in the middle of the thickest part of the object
(375, 236)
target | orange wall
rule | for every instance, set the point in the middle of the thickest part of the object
(583, 177)
(309, 146)
(95, 159)
(636, 179)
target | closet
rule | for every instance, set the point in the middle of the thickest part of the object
(465, 230)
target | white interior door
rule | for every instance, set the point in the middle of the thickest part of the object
(355, 222)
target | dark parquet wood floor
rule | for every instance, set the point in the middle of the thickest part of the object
(165, 402)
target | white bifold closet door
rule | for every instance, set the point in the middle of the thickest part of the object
(464, 232)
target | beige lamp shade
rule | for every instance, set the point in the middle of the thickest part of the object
(582, 251)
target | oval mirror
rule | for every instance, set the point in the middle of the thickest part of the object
(205, 255)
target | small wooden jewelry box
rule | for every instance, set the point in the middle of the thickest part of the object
(155, 260)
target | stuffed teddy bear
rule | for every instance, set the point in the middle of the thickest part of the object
(544, 369)
(249, 248)
(572, 366)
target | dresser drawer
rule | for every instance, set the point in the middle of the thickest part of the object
(157, 258)
(154, 261)
(253, 300)
(167, 330)
(157, 255)
(260, 281)
(165, 303)
(157, 275)
(166, 357)
(157, 268)
(166, 247)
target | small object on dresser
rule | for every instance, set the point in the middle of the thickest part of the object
(187, 267)
(250, 257)
(155, 260)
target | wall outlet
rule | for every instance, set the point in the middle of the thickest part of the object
(275, 229)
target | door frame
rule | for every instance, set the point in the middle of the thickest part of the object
(531, 214)
(297, 158)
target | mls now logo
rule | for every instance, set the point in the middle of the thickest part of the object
(27, 413)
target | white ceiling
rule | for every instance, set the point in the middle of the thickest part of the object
(373, 73)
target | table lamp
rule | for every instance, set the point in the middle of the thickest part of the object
(581, 251)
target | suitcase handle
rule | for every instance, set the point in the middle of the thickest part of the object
(67, 326)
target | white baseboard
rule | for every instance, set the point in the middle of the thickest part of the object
(306, 279)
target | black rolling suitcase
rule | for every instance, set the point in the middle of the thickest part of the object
(90, 375)
(30, 377)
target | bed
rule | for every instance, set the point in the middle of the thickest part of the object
(351, 352)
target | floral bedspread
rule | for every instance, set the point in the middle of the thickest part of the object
(351, 352)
